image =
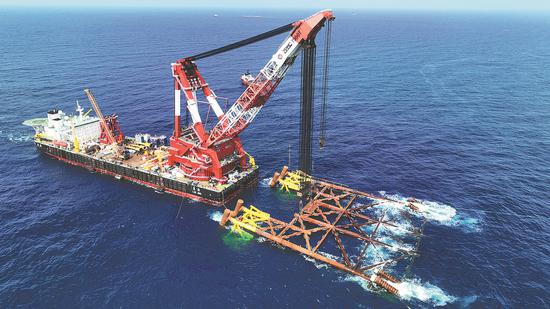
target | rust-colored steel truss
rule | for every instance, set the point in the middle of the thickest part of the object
(353, 231)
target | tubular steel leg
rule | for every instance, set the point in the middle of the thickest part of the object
(340, 226)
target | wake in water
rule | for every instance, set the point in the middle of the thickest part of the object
(425, 292)
(398, 237)
(438, 213)
(265, 182)
(411, 290)
(215, 215)
(16, 137)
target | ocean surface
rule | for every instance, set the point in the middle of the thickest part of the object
(452, 108)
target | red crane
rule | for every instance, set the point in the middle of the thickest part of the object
(204, 155)
(110, 131)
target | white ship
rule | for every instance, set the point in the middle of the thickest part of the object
(64, 129)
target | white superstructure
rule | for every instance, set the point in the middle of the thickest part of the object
(59, 126)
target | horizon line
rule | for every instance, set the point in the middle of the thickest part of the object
(274, 8)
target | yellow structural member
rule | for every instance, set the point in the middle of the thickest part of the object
(157, 160)
(39, 136)
(142, 144)
(75, 142)
(86, 114)
(160, 155)
(251, 216)
(251, 160)
(136, 147)
(293, 180)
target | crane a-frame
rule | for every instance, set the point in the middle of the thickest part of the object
(211, 155)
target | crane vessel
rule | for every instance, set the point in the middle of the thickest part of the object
(353, 231)
(208, 165)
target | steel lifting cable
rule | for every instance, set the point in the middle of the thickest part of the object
(324, 90)
(235, 45)
(179, 210)
(248, 41)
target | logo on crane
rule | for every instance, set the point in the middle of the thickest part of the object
(287, 47)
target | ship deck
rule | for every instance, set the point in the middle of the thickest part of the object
(134, 165)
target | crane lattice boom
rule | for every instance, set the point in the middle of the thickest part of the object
(247, 106)
(102, 121)
(204, 155)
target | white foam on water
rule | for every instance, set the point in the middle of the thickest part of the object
(402, 247)
(16, 137)
(425, 292)
(396, 245)
(439, 213)
(265, 182)
(317, 264)
(215, 215)
(411, 290)
(403, 229)
(376, 255)
(432, 211)
(330, 256)
(392, 236)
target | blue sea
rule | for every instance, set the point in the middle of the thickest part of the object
(451, 108)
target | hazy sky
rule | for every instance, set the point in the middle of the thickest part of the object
(352, 4)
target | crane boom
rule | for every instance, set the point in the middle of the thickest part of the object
(109, 134)
(248, 105)
(203, 155)
(97, 110)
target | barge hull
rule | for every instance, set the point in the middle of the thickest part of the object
(152, 180)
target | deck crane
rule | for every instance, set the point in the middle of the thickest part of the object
(108, 125)
(205, 155)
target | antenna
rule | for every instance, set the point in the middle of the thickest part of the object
(79, 109)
